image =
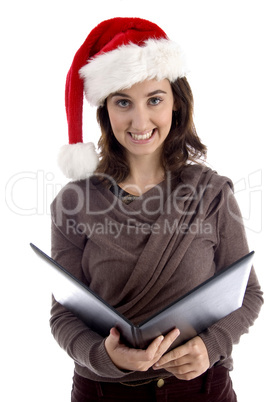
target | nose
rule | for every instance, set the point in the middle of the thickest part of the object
(140, 119)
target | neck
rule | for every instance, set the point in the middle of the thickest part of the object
(145, 173)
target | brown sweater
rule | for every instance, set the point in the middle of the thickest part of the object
(142, 256)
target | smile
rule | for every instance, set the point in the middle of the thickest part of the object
(139, 137)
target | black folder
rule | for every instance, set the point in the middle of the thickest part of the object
(191, 314)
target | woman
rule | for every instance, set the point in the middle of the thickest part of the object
(145, 224)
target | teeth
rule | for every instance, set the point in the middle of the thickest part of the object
(142, 136)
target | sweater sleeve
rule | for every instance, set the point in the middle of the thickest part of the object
(232, 245)
(84, 346)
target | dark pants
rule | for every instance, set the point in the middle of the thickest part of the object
(213, 386)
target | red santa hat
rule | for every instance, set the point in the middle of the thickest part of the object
(117, 54)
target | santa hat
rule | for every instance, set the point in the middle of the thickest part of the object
(117, 54)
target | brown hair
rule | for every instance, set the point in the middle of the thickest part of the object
(181, 145)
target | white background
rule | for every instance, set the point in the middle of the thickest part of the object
(225, 43)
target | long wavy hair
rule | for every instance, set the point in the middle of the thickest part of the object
(181, 146)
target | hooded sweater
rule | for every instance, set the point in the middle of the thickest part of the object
(143, 255)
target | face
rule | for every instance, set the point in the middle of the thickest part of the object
(141, 116)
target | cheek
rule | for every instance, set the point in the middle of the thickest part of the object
(117, 123)
(166, 120)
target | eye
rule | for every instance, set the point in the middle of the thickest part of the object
(123, 103)
(155, 101)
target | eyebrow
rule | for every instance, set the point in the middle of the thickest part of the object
(156, 92)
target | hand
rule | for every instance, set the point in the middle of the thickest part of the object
(187, 361)
(126, 358)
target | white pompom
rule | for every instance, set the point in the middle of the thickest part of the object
(78, 161)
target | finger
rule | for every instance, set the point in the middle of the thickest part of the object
(113, 338)
(165, 344)
(160, 345)
(188, 375)
(168, 341)
(115, 333)
(183, 369)
(174, 354)
(152, 349)
(172, 363)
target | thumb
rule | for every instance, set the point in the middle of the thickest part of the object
(114, 337)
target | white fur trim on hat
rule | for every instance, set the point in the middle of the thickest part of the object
(129, 64)
(78, 161)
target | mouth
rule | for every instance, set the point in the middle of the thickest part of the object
(140, 137)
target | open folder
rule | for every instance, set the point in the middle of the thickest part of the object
(191, 314)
